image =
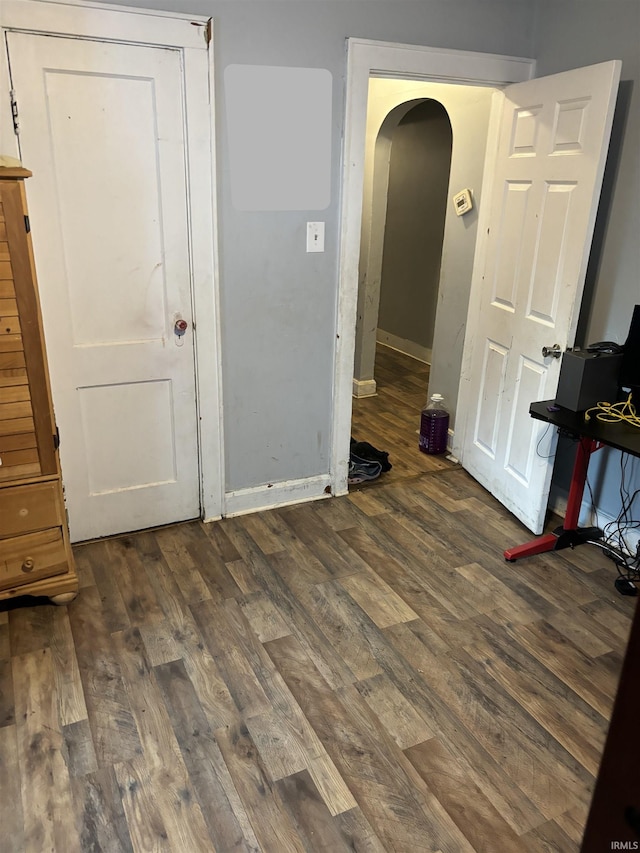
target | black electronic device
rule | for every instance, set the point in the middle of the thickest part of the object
(587, 378)
(630, 369)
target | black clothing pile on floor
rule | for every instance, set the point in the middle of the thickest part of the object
(366, 462)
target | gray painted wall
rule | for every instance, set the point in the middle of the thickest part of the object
(570, 34)
(416, 206)
(278, 304)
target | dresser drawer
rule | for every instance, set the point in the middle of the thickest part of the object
(24, 559)
(24, 509)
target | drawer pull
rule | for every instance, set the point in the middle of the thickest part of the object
(28, 565)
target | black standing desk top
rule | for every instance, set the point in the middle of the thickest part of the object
(620, 435)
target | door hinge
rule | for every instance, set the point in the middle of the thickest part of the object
(56, 439)
(14, 112)
(27, 224)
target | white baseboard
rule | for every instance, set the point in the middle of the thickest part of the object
(364, 388)
(558, 504)
(274, 495)
(404, 346)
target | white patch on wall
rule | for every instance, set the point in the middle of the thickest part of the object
(279, 126)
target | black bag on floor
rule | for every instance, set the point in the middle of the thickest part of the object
(368, 453)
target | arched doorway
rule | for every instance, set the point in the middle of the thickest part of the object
(401, 252)
(416, 202)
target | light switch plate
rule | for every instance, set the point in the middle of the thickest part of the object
(315, 236)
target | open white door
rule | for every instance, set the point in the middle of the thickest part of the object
(547, 148)
(103, 128)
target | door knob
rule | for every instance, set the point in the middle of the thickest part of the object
(180, 327)
(552, 352)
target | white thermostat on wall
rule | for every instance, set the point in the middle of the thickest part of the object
(463, 202)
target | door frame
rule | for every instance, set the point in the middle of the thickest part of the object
(192, 36)
(367, 58)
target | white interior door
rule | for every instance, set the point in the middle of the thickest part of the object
(102, 128)
(548, 142)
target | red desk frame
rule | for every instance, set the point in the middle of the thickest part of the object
(591, 435)
(568, 534)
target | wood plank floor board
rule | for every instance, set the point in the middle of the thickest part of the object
(114, 732)
(274, 828)
(364, 673)
(222, 809)
(270, 532)
(483, 769)
(183, 639)
(102, 821)
(286, 723)
(5, 643)
(220, 542)
(211, 567)
(399, 821)
(549, 837)
(378, 600)
(594, 684)
(572, 823)
(7, 705)
(11, 814)
(137, 592)
(275, 574)
(223, 643)
(496, 720)
(49, 817)
(84, 569)
(81, 755)
(432, 526)
(114, 613)
(557, 587)
(569, 719)
(318, 829)
(30, 629)
(396, 714)
(142, 811)
(358, 831)
(345, 625)
(437, 577)
(69, 692)
(476, 817)
(608, 615)
(497, 596)
(263, 616)
(168, 778)
(322, 542)
(244, 576)
(187, 566)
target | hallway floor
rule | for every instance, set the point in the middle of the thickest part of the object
(390, 420)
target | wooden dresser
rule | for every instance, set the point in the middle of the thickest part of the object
(35, 553)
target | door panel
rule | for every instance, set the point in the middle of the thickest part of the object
(541, 188)
(103, 130)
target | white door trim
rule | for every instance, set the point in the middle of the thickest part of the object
(188, 33)
(385, 59)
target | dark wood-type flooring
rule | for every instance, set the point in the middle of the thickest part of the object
(361, 673)
(391, 420)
